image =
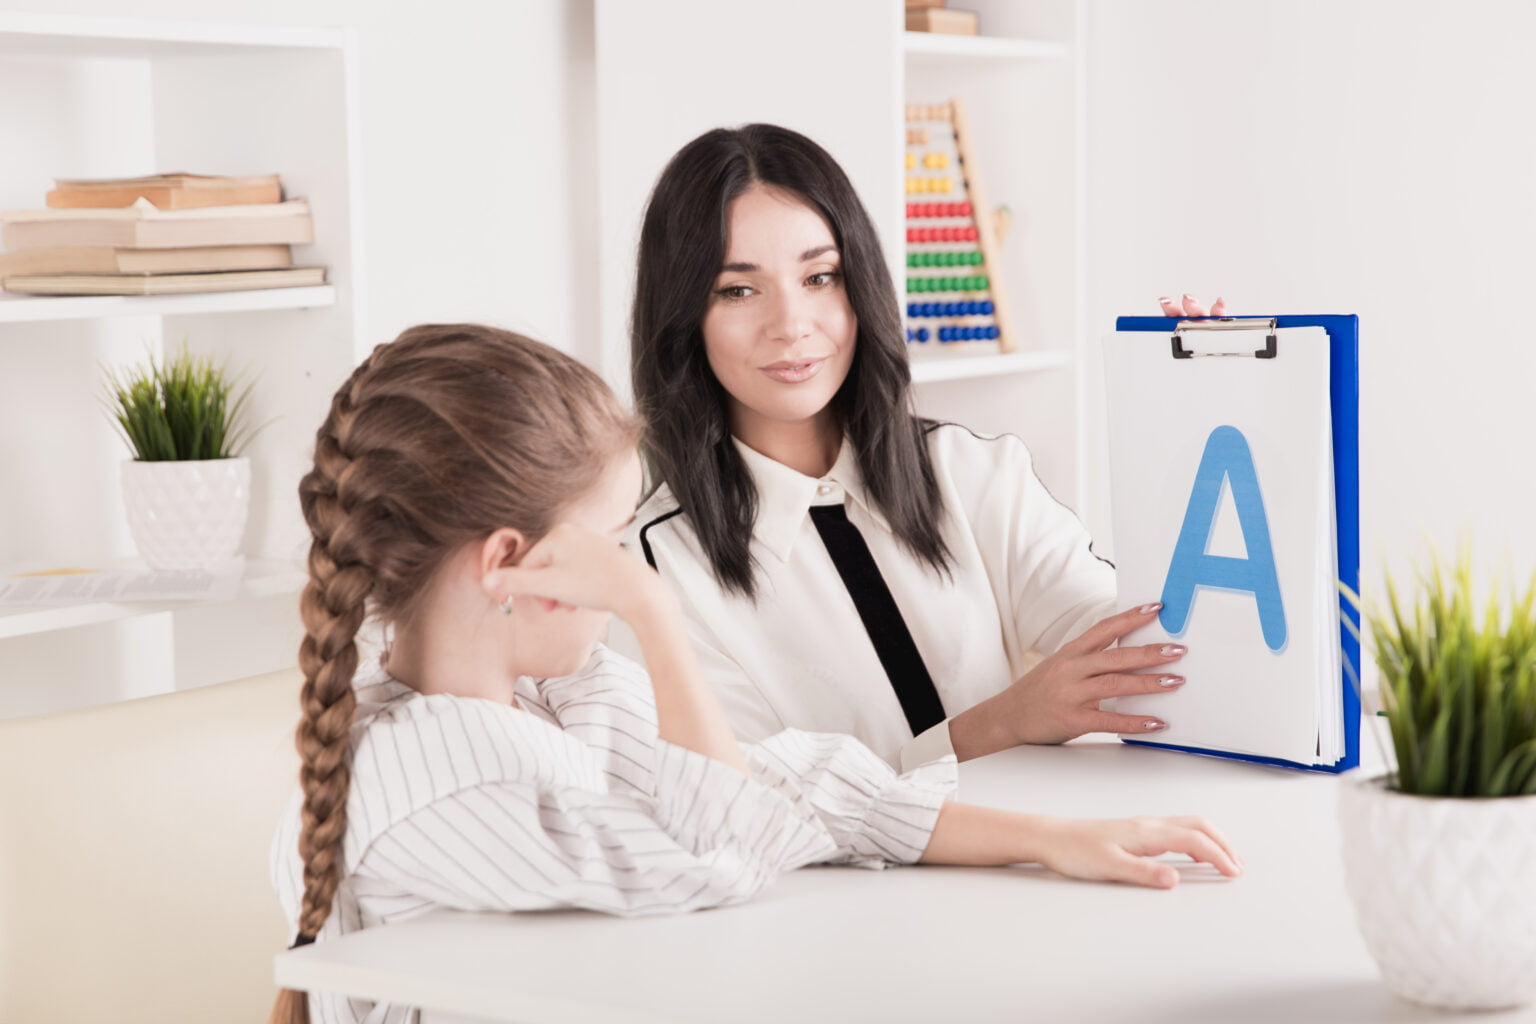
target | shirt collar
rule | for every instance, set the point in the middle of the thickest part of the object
(784, 495)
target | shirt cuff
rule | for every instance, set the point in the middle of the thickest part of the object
(875, 816)
(706, 805)
(931, 745)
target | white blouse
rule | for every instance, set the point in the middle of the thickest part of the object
(573, 800)
(1024, 579)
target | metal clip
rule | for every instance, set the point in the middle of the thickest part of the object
(1227, 323)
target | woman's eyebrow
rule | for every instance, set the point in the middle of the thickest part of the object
(805, 257)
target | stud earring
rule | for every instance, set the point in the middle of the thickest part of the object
(505, 604)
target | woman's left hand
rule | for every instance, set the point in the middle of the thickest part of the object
(1187, 305)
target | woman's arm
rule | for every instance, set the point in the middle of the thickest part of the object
(1115, 850)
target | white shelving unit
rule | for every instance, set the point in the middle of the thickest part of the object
(954, 363)
(262, 579)
(1022, 86)
(110, 97)
(21, 309)
(917, 45)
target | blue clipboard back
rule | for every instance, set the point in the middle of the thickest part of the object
(1344, 398)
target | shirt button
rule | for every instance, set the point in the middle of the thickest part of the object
(824, 489)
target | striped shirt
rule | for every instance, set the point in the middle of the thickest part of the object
(572, 800)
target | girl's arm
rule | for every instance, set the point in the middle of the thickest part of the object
(710, 836)
(1115, 850)
(687, 712)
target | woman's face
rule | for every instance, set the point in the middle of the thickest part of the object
(779, 331)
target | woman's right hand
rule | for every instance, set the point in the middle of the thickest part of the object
(1119, 849)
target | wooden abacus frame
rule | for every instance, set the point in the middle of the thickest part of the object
(981, 214)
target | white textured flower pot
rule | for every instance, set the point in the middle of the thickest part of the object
(1444, 892)
(187, 515)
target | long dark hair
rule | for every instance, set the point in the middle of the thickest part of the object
(687, 437)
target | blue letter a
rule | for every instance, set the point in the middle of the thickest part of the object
(1226, 458)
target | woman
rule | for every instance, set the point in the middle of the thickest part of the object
(844, 565)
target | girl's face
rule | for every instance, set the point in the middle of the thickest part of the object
(558, 642)
(779, 331)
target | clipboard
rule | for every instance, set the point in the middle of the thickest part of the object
(1344, 410)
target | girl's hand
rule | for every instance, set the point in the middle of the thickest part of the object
(573, 566)
(1058, 699)
(1188, 305)
(1118, 850)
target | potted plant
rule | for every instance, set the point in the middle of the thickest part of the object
(187, 490)
(1440, 853)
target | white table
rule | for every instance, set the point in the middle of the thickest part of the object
(943, 944)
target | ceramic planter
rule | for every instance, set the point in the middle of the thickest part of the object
(1444, 891)
(187, 515)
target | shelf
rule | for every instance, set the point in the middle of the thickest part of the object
(34, 308)
(954, 363)
(934, 44)
(53, 35)
(262, 579)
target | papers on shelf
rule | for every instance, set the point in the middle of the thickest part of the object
(31, 586)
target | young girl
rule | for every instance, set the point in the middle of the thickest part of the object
(845, 566)
(469, 491)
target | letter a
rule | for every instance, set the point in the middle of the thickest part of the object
(1226, 458)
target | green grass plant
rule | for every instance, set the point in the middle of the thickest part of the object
(183, 410)
(1458, 685)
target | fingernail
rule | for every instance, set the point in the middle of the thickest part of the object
(1148, 609)
(1164, 298)
(1170, 681)
(1188, 297)
(1169, 650)
(1152, 725)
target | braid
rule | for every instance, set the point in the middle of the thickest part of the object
(333, 607)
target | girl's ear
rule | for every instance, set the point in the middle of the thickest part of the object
(506, 547)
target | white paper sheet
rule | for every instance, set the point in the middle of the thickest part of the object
(1241, 696)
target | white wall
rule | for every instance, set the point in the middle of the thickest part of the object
(476, 155)
(1337, 156)
(647, 62)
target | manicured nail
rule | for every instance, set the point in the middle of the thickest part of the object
(1148, 609)
(1169, 650)
(1170, 681)
(1188, 297)
(1164, 298)
(1151, 725)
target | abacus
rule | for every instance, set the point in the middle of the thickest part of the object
(952, 244)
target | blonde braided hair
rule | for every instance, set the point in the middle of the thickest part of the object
(436, 440)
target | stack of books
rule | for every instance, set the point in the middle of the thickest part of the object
(935, 16)
(160, 235)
